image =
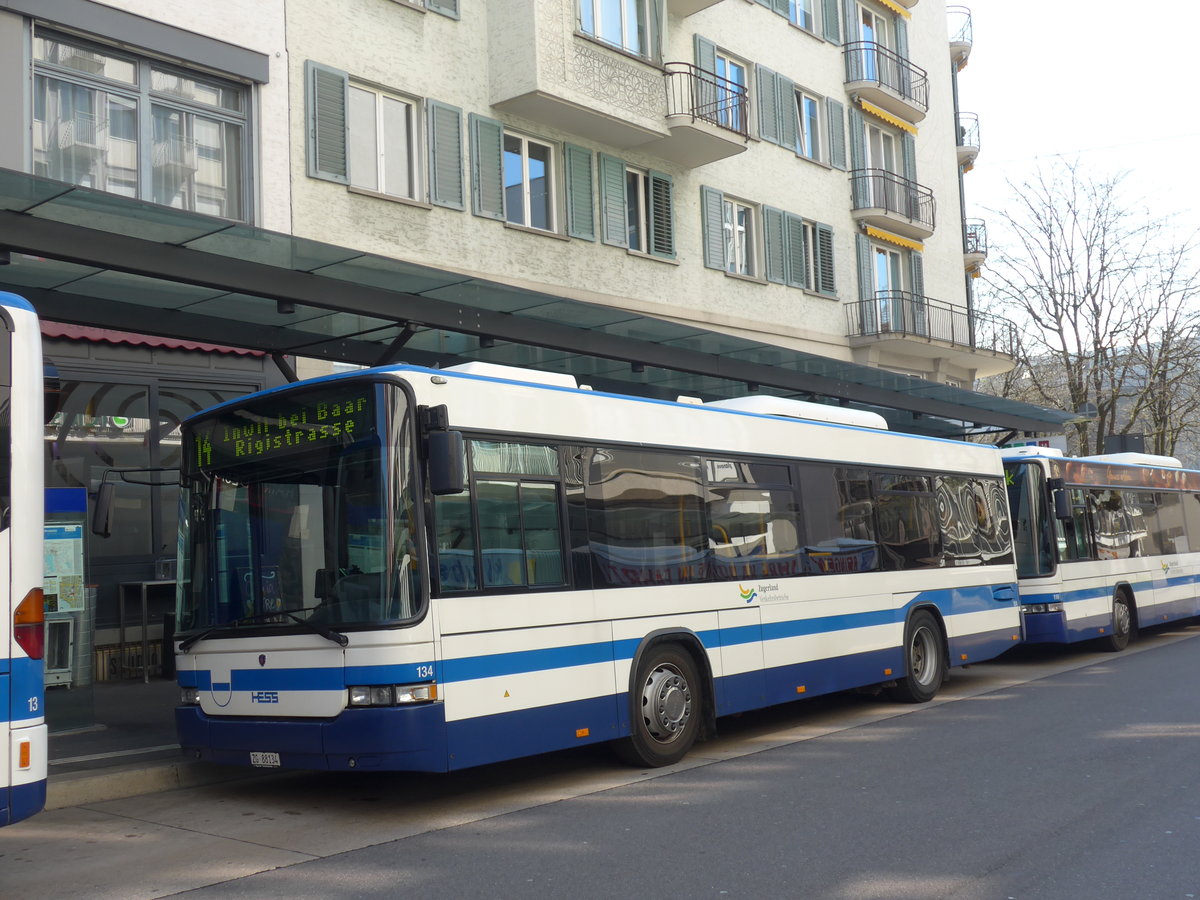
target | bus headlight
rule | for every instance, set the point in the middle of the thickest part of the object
(1042, 608)
(189, 696)
(392, 695)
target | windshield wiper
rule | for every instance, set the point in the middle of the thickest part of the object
(328, 633)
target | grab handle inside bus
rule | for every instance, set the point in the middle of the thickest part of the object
(1062, 503)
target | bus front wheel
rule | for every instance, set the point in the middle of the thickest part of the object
(1122, 624)
(924, 660)
(667, 709)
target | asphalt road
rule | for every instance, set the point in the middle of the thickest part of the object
(1049, 774)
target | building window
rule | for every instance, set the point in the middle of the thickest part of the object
(637, 210)
(128, 125)
(382, 142)
(804, 14)
(808, 134)
(740, 241)
(731, 86)
(621, 23)
(529, 182)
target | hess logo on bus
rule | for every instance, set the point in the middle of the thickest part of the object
(264, 696)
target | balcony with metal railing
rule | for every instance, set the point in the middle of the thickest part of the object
(708, 116)
(892, 202)
(929, 328)
(962, 34)
(975, 249)
(968, 139)
(886, 79)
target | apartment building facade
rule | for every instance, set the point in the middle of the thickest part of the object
(785, 171)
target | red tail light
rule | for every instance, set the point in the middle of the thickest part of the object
(29, 624)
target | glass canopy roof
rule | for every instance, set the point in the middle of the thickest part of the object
(91, 258)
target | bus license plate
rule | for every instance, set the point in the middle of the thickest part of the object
(264, 759)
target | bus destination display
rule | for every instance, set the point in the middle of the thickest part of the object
(284, 425)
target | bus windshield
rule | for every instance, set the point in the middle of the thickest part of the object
(299, 506)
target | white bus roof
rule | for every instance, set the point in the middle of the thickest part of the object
(1136, 459)
(766, 405)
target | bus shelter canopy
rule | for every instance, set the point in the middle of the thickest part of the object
(91, 258)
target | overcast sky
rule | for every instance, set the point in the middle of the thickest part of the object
(1112, 85)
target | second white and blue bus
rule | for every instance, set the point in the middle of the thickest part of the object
(22, 631)
(1104, 544)
(418, 569)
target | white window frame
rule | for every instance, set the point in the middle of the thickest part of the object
(525, 195)
(732, 117)
(741, 238)
(385, 155)
(812, 8)
(593, 23)
(637, 209)
(809, 144)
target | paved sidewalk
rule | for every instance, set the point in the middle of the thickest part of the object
(132, 749)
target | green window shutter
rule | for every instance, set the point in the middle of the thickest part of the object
(706, 60)
(826, 283)
(612, 201)
(850, 30)
(860, 186)
(774, 240)
(581, 204)
(445, 155)
(829, 19)
(487, 166)
(836, 116)
(658, 14)
(445, 7)
(917, 264)
(866, 276)
(768, 109)
(712, 222)
(785, 104)
(901, 37)
(327, 97)
(795, 250)
(908, 147)
(662, 215)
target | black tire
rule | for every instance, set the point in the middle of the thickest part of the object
(668, 706)
(1119, 635)
(924, 660)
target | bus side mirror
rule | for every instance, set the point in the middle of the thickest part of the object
(1062, 505)
(102, 511)
(446, 463)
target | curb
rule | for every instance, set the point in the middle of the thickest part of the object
(116, 783)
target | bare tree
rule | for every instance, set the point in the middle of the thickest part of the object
(1105, 296)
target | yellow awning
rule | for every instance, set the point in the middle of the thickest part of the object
(880, 235)
(896, 8)
(887, 116)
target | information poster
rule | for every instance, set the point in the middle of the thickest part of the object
(64, 568)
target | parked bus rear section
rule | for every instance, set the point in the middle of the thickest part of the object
(1104, 544)
(22, 634)
(406, 568)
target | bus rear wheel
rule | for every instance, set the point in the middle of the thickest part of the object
(668, 705)
(924, 660)
(1122, 625)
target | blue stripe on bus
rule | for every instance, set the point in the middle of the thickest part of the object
(519, 662)
(23, 687)
(21, 801)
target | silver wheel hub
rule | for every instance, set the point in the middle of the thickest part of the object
(922, 656)
(666, 703)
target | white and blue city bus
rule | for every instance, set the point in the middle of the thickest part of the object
(1103, 543)
(22, 629)
(418, 569)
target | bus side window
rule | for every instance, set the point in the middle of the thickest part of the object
(839, 520)
(1074, 534)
